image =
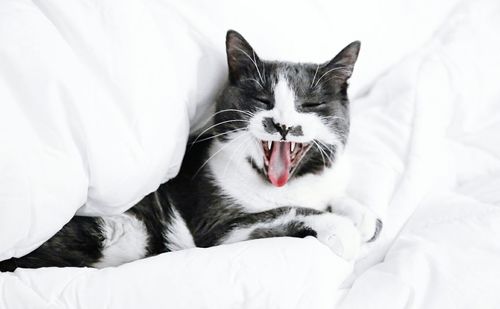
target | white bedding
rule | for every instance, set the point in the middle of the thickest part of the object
(97, 98)
(260, 277)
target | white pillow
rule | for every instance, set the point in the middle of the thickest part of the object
(94, 111)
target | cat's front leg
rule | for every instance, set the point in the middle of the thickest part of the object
(336, 232)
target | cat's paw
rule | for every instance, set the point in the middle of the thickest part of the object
(369, 227)
(368, 224)
(336, 232)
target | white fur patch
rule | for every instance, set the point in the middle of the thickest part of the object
(362, 217)
(178, 236)
(336, 232)
(240, 181)
(284, 104)
(125, 240)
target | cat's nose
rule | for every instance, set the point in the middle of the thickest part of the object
(282, 130)
(271, 127)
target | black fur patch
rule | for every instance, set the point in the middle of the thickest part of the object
(79, 243)
(290, 229)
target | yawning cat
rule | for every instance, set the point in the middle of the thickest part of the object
(270, 165)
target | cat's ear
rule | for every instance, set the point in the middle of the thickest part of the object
(241, 58)
(342, 65)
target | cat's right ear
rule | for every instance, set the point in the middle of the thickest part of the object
(241, 58)
(342, 64)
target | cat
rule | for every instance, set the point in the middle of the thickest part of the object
(271, 165)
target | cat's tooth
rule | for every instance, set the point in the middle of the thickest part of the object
(292, 146)
(269, 144)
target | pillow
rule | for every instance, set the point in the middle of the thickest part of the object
(94, 112)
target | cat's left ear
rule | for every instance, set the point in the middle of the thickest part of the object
(241, 58)
(342, 65)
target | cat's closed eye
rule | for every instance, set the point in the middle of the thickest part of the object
(263, 100)
(312, 104)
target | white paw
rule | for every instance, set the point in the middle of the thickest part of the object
(368, 224)
(336, 232)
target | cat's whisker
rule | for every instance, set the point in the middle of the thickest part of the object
(327, 148)
(325, 145)
(236, 151)
(330, 153)
(258, 146)
(264, 72)
(253, 79)
(247, 113)
(217, 135)
(254, 63)
(345, 68)
(216, 125)
(333, 77)
(218, 151)
(314, 77)
(258, 70)
(256, 143)
(320, 152)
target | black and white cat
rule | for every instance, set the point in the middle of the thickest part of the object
(270, 165)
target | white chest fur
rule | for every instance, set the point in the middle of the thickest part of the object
(239, 181)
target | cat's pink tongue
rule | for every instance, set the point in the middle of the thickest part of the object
(279, 163)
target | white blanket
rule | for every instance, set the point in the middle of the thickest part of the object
(259, 277)
(97, 98)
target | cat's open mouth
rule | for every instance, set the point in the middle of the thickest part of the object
(281, 158)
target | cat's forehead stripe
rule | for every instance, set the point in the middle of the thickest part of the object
(284, 96)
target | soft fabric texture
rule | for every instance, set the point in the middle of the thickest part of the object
(260, 277)
(98, 97)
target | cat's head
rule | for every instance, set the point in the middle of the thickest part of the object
(295, 116)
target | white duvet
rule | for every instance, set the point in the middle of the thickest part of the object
(97, 98)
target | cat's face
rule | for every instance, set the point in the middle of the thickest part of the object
(295, 116)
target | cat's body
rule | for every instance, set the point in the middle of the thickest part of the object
(271, 165)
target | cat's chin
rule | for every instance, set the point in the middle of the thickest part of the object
(281, 159)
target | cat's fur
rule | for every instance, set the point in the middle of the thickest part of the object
(241, 179)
